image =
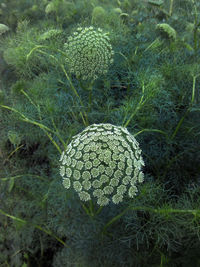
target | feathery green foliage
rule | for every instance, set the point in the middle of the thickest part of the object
(167, 29)
(3, 28)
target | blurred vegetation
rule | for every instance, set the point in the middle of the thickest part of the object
(152, 89)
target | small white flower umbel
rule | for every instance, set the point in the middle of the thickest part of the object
(88, 53)
(102, 162)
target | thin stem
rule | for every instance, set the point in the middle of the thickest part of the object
(14, 151)
(85, 121)
(90, 96)
(171, 7)
(22, 175)
(193, 89)
(188, 109)
(46, 129)
(99, 210)
(85, 209)
(194, 212)
(91, 208)
(152, 130)
(137, 108)
(35, 225)
(58, 134)
(195, 31)
(88, 87)
(40, 117)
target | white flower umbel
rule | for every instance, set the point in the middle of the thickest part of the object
(104, 163)
(88, 53)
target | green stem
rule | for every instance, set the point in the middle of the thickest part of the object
(91, 208)
(85, 209)
(179, 124)
(85, 120)
(171, 7)
(35, 225)
(88, 87)
(43, 46)
(99, 210)
(195, 31)
(141, 103)
(14, 151)
(193, 88)
(22, 175)
(46, 129)
(194, 212)
(188, 109)
(152, 130)
(90, 96)
(40, 117)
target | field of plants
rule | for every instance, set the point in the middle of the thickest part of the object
(100, 133)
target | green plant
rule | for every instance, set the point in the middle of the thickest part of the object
(166, 28)
(15, 51)
(51, 33)
(14, 138)
(103, 161)
(196, 38)
(99, 15)
(152, 90)
(88, 56)
(3, 28)
(62, 10)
